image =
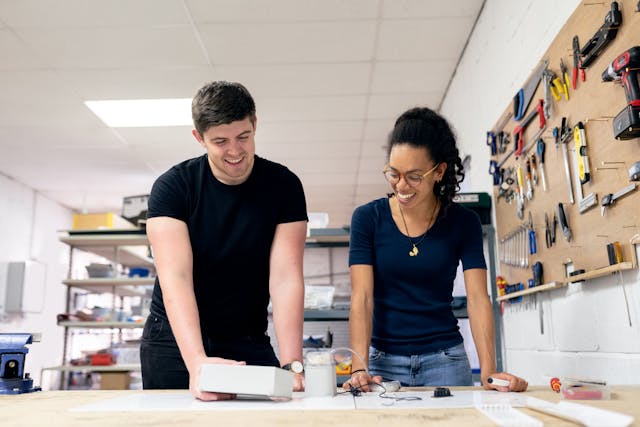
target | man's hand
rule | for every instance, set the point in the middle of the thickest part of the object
(515, 383)
(361, 381)
(298, 382)
(194, 375)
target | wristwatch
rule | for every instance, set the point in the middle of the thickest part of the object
(296, 367)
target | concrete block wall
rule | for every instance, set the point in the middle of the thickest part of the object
(586, 328)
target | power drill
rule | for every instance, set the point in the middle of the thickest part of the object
(626, 125)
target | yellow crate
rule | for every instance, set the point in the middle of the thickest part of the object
(100, 221)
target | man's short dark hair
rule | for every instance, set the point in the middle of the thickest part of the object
(220, 103)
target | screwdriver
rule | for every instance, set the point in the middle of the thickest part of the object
(540, 149)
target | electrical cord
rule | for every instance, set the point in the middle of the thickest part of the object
(357, 391)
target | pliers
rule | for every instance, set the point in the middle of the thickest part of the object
(576, 63)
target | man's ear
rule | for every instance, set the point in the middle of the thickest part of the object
(198, 137)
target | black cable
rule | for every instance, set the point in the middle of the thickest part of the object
(357, 391)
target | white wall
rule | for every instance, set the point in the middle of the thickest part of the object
(586, 327)
(28, 224)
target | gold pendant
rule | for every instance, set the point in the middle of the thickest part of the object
(413, 251)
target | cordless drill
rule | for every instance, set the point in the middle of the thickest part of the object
(626, 125)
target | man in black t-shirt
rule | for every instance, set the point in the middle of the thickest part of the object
(228, 232)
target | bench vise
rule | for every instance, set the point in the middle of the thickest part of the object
(13, 351)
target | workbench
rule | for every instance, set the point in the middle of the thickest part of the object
(51, 409)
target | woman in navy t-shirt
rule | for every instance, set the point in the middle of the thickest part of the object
(403, 256)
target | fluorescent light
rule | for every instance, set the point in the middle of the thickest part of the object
(129, 113)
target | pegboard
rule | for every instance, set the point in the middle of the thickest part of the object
(594, 103)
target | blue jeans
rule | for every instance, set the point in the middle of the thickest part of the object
(448, 367)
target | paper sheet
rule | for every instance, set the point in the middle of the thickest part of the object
(459, 399)
(184, 401)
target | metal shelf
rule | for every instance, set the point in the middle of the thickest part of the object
(128, 248)
(93, 368)
(123, 286)
(101, 325)
(325, 315)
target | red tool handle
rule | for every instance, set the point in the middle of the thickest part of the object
(517, 136)
(540, 109)
(574, 78)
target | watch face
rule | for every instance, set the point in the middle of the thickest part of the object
(296, 367)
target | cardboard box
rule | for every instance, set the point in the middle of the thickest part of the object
(100, 221)
(114, 380)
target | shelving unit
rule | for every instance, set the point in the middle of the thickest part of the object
(125, 248)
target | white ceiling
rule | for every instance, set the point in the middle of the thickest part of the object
(329, 78)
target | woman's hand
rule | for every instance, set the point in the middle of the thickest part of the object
(361, 380)
(515, 383)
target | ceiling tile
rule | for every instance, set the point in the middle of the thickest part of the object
(114, 47)
(299, 79)
(415, 40)
(413, 9)
(137, 83)
(307, 131)
(58, 137)
(91, 13)
(342, 178)
(386, 106)
(289, 43)
(376, 149)
(390, 77)
(14, 85)
(309, 150)
(36, 112)
(312, 108)
(337, 165)
(208, 11)
(15, 54)
(154, 138)
(379, 129)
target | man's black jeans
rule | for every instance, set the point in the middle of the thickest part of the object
(162, 364)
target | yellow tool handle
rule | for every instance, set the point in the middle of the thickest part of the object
(520, 178)
(556, 88)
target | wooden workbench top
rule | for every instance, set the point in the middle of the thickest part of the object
(51, 409)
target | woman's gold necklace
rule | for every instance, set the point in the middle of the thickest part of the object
(414, 246)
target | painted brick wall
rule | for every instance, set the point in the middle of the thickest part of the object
(28, 224)
(586, 327)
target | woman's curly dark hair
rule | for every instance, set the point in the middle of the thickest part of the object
(422, 127)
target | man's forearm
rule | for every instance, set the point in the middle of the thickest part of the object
(288, 318)
(182, 311)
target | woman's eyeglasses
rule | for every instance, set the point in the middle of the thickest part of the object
(412, 179)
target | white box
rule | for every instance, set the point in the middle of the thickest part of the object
(246, 380)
